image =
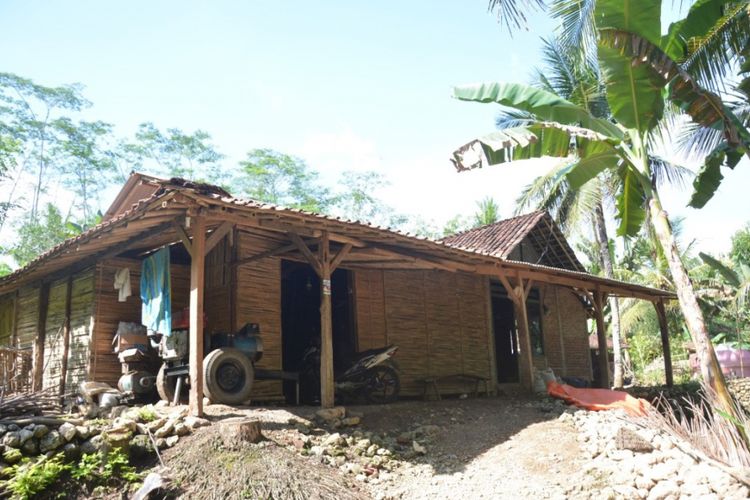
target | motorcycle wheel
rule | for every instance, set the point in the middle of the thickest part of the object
(383, 385)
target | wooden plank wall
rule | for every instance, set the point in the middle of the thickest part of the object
(438, 320)
(109, 311)
(81, 327)
(6, 319)
(28, 315)
(259, 301)
(53, 340)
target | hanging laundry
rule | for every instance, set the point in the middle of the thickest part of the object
(156, 293)
(122, 284)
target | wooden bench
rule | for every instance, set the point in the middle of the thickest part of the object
(261, 374)
(433, 383)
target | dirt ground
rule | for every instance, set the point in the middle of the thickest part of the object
(480, 448)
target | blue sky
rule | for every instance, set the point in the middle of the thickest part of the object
(344, 85)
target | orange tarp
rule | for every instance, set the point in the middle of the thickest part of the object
(599, 399)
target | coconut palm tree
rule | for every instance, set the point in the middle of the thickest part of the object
(635, 94)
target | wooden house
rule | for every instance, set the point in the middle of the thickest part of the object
(493, 302)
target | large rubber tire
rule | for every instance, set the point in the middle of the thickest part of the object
(228, 376)
(166, 386)
(383, 385)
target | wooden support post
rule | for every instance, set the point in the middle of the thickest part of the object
(41, 334)
(661, 314)
(601, 335)
(518, 296)
(197, 275)
(66, 335)
(327, 396)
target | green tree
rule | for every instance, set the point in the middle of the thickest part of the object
(86, 163)
(740, 251)
(488, 212)
(356, 199)
(175, 153)
(27, 114)
(635, 95)
(278, 178)
(36, 235)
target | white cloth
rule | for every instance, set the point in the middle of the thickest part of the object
(122, 283)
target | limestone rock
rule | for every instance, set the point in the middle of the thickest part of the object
(329, 414)
(12, 440)
(50, 442)
(140, 446)
(40, 431)
(334, 439)
(663, 490)
(24, 435)
(419, 448)
(95, 444)
(193, 423)
(180, 429)
(72, 451)
(67, 431)
(351, 421)
(30, 447)
(172, 440)
(627, 439)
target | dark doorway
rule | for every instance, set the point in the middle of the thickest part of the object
(300, 317)
(506, 340)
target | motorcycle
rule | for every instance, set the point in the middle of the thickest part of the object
(373, 374)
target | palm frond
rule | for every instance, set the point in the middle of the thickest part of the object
(668, 173)
(577, 28)
(513, 13)
(512, 118)
(711, 57)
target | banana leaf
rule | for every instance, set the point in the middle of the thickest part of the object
(631, 200)
(544, 105)
(540, 139)
(709, 176)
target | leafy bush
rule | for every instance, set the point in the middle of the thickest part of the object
(30, 478)
(147, 414)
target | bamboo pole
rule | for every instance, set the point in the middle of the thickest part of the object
(66, 335)
(41, 334)
(661, 314)
(197, 275)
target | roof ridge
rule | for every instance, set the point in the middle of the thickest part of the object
(501, 221)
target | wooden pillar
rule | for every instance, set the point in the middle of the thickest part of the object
(41, 334)
(518, 296)
(327, 394)
(197, 275)
(661, 314)
(491, 337)
(601, 335)
(66, 335)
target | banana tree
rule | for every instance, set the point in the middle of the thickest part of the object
(635, 93)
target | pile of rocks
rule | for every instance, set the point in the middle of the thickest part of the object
(135, 430)
(628, 461)
(330, 437)
(740, 388)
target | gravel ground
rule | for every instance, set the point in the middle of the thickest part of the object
(472, 448)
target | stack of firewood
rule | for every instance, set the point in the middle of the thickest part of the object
(43, 402)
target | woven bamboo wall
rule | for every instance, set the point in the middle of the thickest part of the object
(81, 328)
(369, 309)
(216, 303)
(105, 367)
(259, 301)
(28, 316)
(6, 318)
(438, 320)
(53, 337)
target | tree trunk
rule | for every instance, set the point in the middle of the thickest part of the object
(709, 365)
(606, 259)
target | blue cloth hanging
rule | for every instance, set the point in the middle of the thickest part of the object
(156, 293)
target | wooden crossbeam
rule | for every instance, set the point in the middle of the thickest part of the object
(307, 253)
(268, 253)
(218, 235)
(182, 234)
(342, 253)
